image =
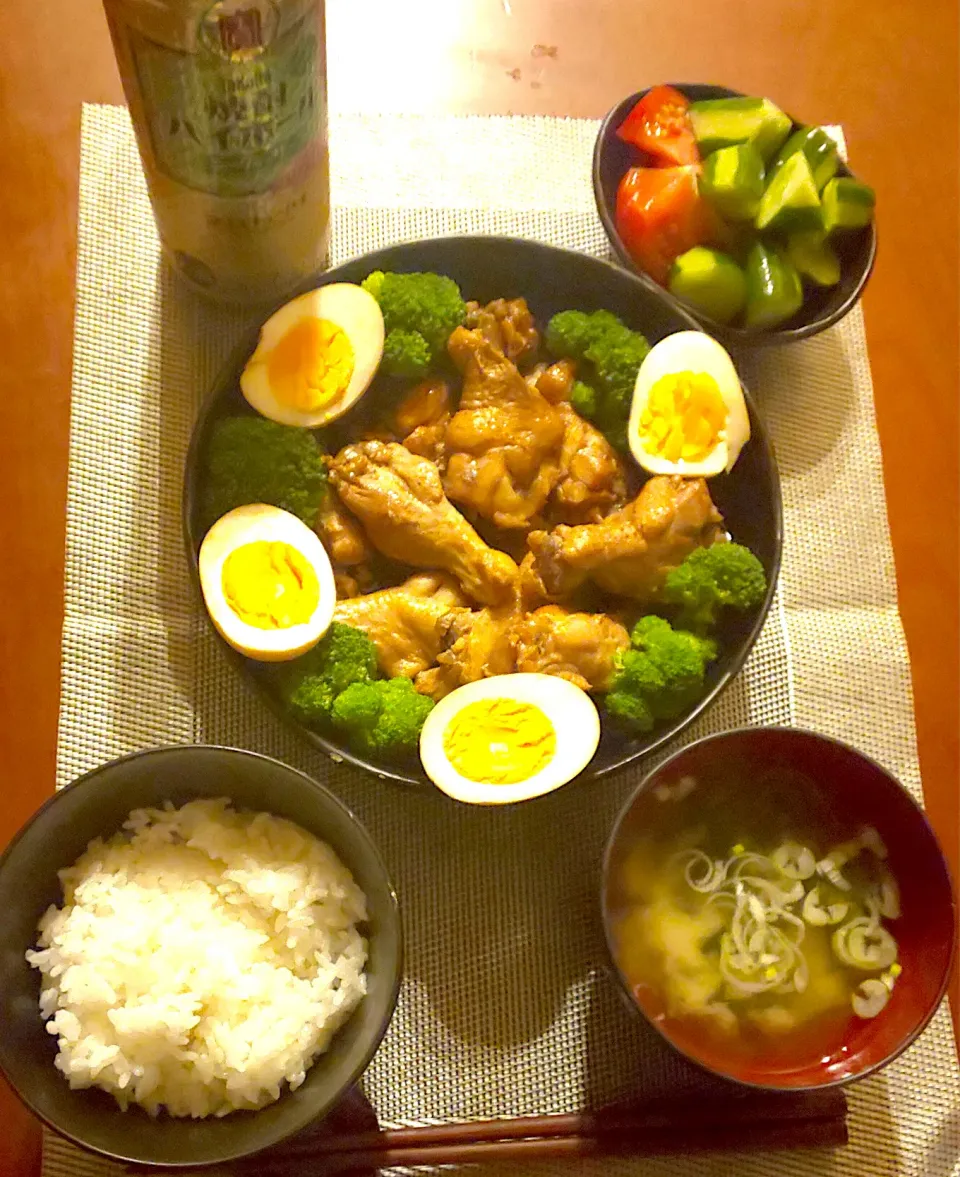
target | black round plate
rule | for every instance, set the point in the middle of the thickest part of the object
(821, 308)
(551, 280)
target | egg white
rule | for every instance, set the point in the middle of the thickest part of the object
(691, 351)
(260, 522)
(356, 312)
(571, 711)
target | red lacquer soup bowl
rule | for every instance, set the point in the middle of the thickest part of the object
(750, 790)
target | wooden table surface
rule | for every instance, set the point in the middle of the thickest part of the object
(887, 71)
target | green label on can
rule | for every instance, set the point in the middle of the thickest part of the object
(229, 118)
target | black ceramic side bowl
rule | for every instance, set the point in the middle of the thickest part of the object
(551, 280)
(821, 309)
(96, 805)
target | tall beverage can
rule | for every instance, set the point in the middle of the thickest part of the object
(228, 101)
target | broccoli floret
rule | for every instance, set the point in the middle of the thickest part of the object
(382, 716)
(311, 700)
(311, 683)
(358, 707)
(373, 283)
(404, 711)
(584, 400)
(630, 710)
(335, 685)
(654, 633)
(426, 305)
(252, 460)
(570, 333)
(344, 655)
(710, 579)
(610, 355)
(679, 657)
(659, 676)
(406, 353)
(614, 429)
(617, 355)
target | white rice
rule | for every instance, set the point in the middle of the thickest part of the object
(201, 958)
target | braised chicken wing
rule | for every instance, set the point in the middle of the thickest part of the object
(407, 624)
(592, 479)
(399, 499)
(475, 645)
(340, 533)
(508, 324)
(354, 582)
(579, 647)
(631, 551)
(504, 443)
(554, 381)
(421, 419)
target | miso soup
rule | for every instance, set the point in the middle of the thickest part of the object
(752, 919)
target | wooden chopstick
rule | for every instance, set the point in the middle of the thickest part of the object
(798, 1134)
(804, 1120)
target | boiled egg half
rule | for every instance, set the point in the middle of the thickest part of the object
(508, 738)
(688, 415)
(316, 356)
(267, 582)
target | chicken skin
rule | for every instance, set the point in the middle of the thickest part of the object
(421, 419)
(579, 647)
(399, 499)
(407, 624)
(504, 443)
(508, 324)
(631, 551)
(340, 533)
(475, 645)
(554, 381)
(592, 481)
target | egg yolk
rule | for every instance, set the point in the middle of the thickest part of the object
(499, 741)
(311, 365)
(270, 585)
(684, 417)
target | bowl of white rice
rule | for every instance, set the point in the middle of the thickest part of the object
(200, 953)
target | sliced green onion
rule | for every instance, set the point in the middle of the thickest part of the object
(829, 867)
(801, 976)
(795, 894)
(794, 860)
(819, 916)
(796, 923)
(862, 943)
(871, 840)
(889, 897)
(869, 998)
(702, 873)
(739, 863)
(770, 900)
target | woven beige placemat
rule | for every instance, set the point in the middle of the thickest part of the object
(506, 1008)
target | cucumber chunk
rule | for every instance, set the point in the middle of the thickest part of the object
(711, 281)
(791, 201)
(814, 257)
(847, 204)
(774, 289)
(732, 180)
(818, 147)
(722, 122)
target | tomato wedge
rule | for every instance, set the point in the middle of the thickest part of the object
(659, 216)
(659, 125)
